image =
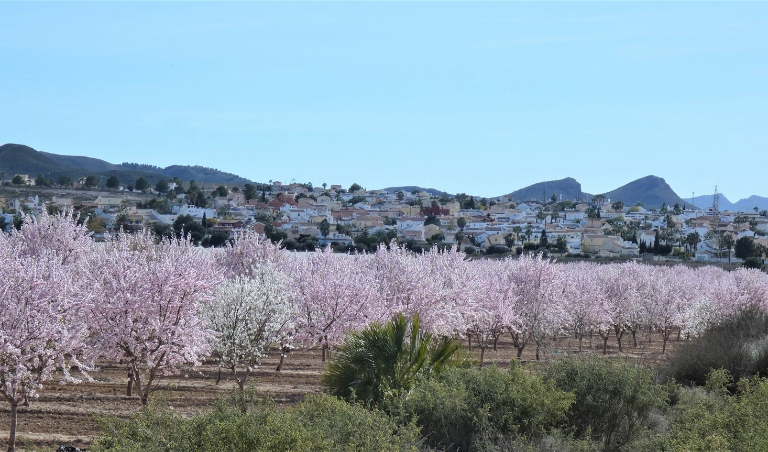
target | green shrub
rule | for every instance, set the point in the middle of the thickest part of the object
(483, 409)
(753, 262)
(614, 399)
(717, 421)
(321, 423)
(497, 249)
(379, 363)
(738, 344)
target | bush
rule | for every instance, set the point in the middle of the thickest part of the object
(717, 421)
(496, 249)
(753, 262)
(321, 423)
(469, 250)
(614, 400)
(484, 409)
(738, 344)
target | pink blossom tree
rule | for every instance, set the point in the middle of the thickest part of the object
(488, 311)
(539, 310)
(42, 331)
(247, 253)
(335, 294)
(149, 308)
(42, 306)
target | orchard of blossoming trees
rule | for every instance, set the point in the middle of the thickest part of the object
(160, 307)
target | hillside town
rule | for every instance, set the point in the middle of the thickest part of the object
(350, 219)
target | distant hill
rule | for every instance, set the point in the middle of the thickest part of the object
(569, 188)
(652, 191)
(705, 201)
(411, 188)
(21, 159)
(742, 205)
(748, 204)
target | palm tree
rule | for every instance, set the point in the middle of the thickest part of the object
(381, 362)
(726, 241)
(692, 240)
(528, 231)
(517, 230)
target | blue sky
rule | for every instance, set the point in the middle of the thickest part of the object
(482, 98)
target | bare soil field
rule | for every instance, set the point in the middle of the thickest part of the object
(68, 414)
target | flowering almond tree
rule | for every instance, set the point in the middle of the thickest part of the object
(41, 327)
(55, 235)
(334, 293)
(247, 253)
(538, 286)
(149, 308)
(248, 315)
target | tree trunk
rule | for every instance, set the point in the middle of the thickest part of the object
(469, 341)
(495, 341)
(679, 332)
(482, 355)
(634, 337)
(218, 377)
(537, 352)
(619, 334)
(325, 347)
(12, 436)
(520, 351)
(129, 390)
(605, 345)
(280, 364)
(666, 332)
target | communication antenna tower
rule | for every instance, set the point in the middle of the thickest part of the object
(716, 201)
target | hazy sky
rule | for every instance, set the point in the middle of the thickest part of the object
(482, 98)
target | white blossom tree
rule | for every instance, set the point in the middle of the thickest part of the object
(248, 315)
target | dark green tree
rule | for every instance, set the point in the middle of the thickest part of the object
(461, 223)
(141, 184)
(543, 240)
(161, 186)
(187, 225)
(325, 228)
(249, 191)
(431, 219)
(43, 181)
(91, 182)
(17, 180)
(561, 244)
(64, 181)
(112, 182)
(220, 191)
(354, 188)
(744, 247)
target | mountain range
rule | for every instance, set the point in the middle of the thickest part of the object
(742, 205)
(652, 191)
(21, 159)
